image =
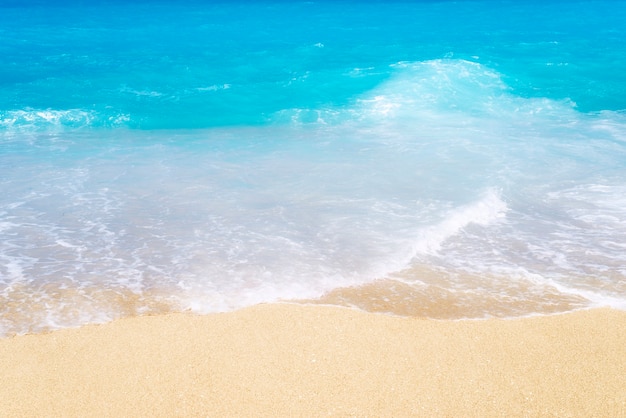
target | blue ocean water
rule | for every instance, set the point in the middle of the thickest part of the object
(191, 155)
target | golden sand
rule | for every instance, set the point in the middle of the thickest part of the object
(439, 302)
(292, 360)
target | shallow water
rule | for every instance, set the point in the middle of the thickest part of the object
(441, 159)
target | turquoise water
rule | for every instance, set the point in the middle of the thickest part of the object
(164, 156)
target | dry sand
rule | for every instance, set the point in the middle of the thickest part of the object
(291, 360)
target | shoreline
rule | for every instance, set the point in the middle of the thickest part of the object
(302, 360)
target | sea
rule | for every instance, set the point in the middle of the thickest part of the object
(442, 159)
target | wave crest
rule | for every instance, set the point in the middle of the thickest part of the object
(47, 119)
(483, 212)
(435, 90)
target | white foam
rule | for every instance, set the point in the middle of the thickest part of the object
(14, 270)
(446, 92)
(214, 87)
(482, 212)
(596, 298)
(28, 119)
(4, 226)
(45, 116)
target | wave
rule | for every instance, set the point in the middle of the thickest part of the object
(56, 119)
(435, 91)
(446, 92)
(488, 209)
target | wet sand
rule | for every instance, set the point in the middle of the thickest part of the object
(302, 360)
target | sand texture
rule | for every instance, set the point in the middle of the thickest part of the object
(289, 360)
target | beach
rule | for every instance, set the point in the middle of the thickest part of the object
(355, 208)
(303, 360)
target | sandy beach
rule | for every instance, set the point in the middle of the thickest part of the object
(298, 360)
